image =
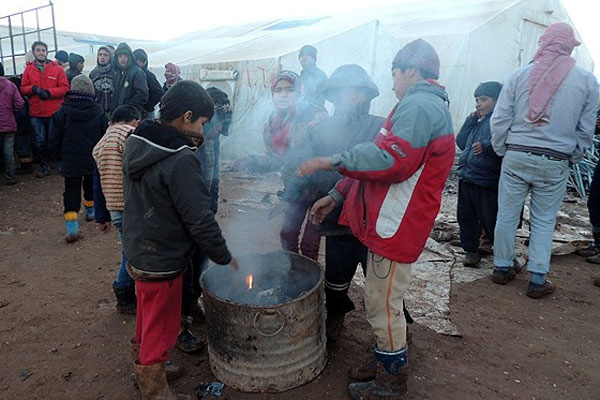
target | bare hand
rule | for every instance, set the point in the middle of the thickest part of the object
(475, 114)
(234, 264)
(477, 148)
(313, 165)
(103, 226)
(321, 209)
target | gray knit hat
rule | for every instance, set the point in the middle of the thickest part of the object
(81, 83)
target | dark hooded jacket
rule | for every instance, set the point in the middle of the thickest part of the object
(167, 205)
(74, 131)
(482, 169)
(130, 84)
(347, 127)
(102, 77)
(314, 80)
(155, 90)
(72, 72)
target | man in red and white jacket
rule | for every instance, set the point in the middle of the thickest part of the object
(45, 83)
(392, 193)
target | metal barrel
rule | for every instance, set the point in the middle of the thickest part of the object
(272, 348)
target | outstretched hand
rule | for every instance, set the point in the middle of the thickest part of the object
(321, 209)
(313, 165)
(234, 264)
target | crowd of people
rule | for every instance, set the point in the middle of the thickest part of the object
(147, 158)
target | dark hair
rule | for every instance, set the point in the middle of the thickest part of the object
(125, 113)
(186, 96)
(38, 43)
(424, 74)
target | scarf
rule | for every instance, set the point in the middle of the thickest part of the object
(551, 65)
(281, 130)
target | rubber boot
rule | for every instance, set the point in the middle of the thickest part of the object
(152, 382)
(172, 371)
(89, 209)
(126, 300)
(390, 380)
(72, 226)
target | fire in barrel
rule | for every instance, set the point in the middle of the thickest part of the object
(266, 322)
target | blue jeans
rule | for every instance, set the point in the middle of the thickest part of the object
(546, 181)
(41, 128)
(123, 279)
(8, 145)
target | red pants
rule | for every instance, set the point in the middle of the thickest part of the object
(158, 319)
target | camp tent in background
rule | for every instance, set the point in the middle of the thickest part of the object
(477, 40)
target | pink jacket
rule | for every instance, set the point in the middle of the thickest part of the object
(10, 102)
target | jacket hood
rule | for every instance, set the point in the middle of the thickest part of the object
(140, 54)
(123, 48)
(80, 110)
(150, 143)
(350, 75)
(75, 59)
(429, 86)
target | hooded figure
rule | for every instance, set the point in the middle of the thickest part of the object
(129, 81)
(75, 66)
(155, 91)
(313, 78)
(102, 78)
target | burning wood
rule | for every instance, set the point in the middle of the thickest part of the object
(249, 280)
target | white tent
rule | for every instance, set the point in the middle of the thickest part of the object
(477, 41)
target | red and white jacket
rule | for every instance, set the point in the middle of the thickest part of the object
(393, 186)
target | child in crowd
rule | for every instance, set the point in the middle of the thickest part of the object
(74, 131)
(479, 170)
(108, 154)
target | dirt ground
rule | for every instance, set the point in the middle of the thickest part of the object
(61, 337)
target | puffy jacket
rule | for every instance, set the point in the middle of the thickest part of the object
(53, 79)
(10, 103)
(74, 131)
(167, 213)
(482, 169)
(393, 186)
(129, 83)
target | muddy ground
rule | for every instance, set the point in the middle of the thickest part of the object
(61, 338)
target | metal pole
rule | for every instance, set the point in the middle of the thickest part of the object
(54, 27)
(12, 45)
(37, 20)
(23, 30)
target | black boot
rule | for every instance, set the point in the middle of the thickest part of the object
(390, 382)
(126, 300)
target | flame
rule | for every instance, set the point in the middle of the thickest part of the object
(249, 280)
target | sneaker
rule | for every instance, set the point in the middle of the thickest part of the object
(188, 342)
(589, 251)
(538, 291)
(472, 260)
(44, 172)
(502, 276)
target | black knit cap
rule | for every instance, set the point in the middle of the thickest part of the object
(62, 56)
(490, 89)
(418, 54)
(309, 51)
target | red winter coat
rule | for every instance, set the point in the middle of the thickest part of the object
(53, 79)
(393, 186)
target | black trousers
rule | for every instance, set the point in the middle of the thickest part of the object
(593, 203)
(72, 193)
(477, 209)
(191, 289)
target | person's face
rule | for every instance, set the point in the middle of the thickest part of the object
(403, 81)
(351, 96)
(194, 130)
(123, 60)
(284, 95)
(103, 57)
(40, 53)
(80, 66)
(141, 63)
(484, 105)
(305, 60)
